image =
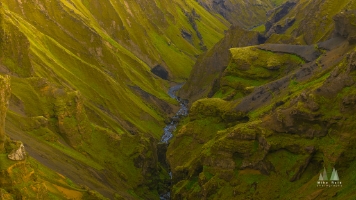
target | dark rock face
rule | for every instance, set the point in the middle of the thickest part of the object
(245, 14)
(162, 72)
(345, 25)
(186, 35)
(279, 12)
(161, 105)
(276, 15)
(307, 52)
(211, 64)
(222, 7)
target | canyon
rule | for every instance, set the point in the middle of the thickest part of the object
(197, 99)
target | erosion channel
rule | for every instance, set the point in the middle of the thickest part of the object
(169, 129)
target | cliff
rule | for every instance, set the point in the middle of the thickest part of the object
(90, 80)
(5, 92)
(245, 14)
(278, 115)
(209, 67)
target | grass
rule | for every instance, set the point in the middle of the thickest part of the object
(251, 67)
(278, 2)
(287, 153)
(73, 67)
(260, 28)
(309, 32)
(5, 162)
(37, 181)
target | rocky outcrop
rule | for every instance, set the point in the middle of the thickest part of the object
(192, 17)
(72, 121)
(214, 107)
(295, 125)
(5, 93)
(245, 14)
(345, 25)
(14, 56)
(207, 71)
(304, 22)
(18, 154)
(276, 15)
(280, 28)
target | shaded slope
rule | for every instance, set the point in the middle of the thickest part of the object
(209, 66)
(245, 14)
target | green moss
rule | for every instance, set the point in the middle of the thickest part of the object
(260, 28)
(278, 2)
(5, 162)
(191, 183)
(251, 67)
(308, 30)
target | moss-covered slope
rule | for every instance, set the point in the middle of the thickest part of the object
(209, 67)
(89, 83)
(24, 177)
(305, 22)
(269, 131)
(245, 14)
(82, 88)
(5, 93)
(291, 22)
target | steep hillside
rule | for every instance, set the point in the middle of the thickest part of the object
(279, 114)
(5, 93)
(305, 22)
(293, 22)
(24, 177)
(89, 82)
(245, 14)
(86, 100)
(208, 69)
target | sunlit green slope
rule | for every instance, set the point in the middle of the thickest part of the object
(272, 116)
(84, 98)
(82, 83)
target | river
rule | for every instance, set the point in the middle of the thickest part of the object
(182, 112)
(171, 127)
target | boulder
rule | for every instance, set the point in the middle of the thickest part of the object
(345, 25)
(18, 154)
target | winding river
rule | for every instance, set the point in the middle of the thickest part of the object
(182, 112)
(171, 127)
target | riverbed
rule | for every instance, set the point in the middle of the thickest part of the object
(182, 112)
(172, 125)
